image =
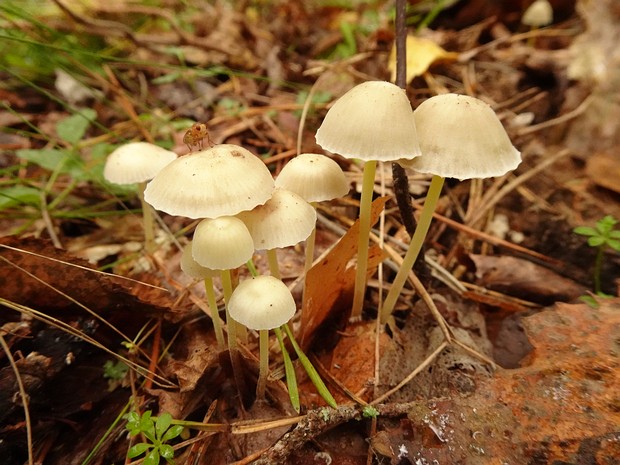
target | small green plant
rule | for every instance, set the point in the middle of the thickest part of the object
(115, 372)
(602, 236)
(157, 432)
(370, 412)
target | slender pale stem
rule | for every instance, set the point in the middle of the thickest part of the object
(215, 317)
(434, 191)
(264, 363)
(368, 183)
(230, 323)
(147, 221)
(273, 263)
(310, 251)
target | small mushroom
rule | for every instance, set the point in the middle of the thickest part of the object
(136, 163)
(538, 14)
(373, 122)
(262, 303)
(284, 220)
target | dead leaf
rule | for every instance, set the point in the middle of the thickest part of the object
(524, 279)
(421, 54)
(603, 168)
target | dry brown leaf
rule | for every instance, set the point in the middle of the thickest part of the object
(524, 279)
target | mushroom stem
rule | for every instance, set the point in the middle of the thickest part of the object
(434, 191)
(230, 323)
(264, 363)
(368, 184)
(309, 251)
(274, 268)
(147, 220)
(215, 317)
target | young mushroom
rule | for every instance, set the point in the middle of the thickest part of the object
(136, 163)
(538, 14)
(192, 268)
(262, 303)
(284, 220)
(460, 137)
(223, 244)
(315, 178)
(372, 122)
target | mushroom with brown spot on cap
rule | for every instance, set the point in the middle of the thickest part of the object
(460, 137)
(136, 163)
(373, 122)
(220, 181)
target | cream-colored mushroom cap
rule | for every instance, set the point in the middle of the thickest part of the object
(372, 121)
(539, 13)
(313, 177)
(191, 267)
(136, 162)
(461, 137)
(261, 303)
(222, 243)
(222, 180)
(285, 219)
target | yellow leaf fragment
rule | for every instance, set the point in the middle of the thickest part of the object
(421, 54)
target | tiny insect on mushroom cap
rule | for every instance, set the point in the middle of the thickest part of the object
(284, 220)
(222, 180)
(313, 177)
(539, 13)
(192, 268)
(372, 121)
(262, 303)
(222, 243)
(461, 137)
(136, 162)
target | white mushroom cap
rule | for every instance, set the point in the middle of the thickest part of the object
(261, 303)
(222, 180)
(285, 219)
(539, 13)
(191, 267)
(222, 243)
(462, 137)
(313, 177)
(372, 121)
(136, 162)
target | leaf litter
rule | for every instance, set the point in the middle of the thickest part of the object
(559, 405)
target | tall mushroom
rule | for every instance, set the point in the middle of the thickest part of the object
(136, 163)
(460, 137)
(372, 122)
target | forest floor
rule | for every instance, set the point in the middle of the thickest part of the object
(526, 369)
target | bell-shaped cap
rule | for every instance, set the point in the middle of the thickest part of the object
(372, 121)
(538, 14)
(313, 177)
(261, 303)
(284, 220)
(222, 180)
(136, 162)
(461, 137)
(222, 243)
(191, 267)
